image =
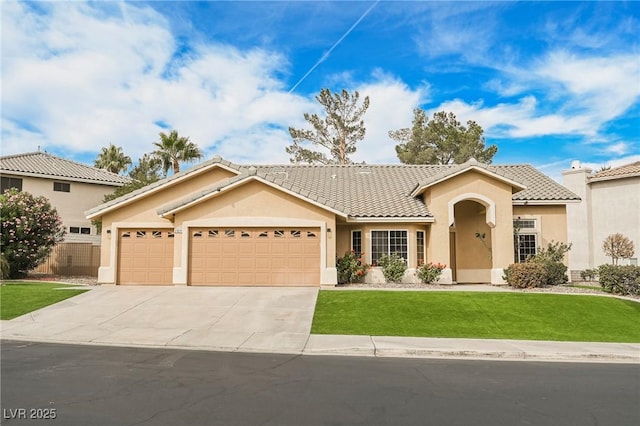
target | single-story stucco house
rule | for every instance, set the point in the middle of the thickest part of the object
(220, 223)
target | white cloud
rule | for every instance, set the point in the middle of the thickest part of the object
(76, 79)
(582, 94)
(391, 108)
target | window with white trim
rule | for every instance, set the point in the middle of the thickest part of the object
(356, 242)
(526, 246)
(79, 230)
(388, 242)
(525, 238)
(420, 247)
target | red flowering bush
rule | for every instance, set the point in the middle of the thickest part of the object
(30, 229)
(430, 272)
(351, 268)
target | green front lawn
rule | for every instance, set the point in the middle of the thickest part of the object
(520, 316)
(19, 298)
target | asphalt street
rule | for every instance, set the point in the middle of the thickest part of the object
(100, 385)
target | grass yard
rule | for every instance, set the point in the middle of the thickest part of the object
(19, 298)
(517, 316)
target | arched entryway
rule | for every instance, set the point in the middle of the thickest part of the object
(471, 239)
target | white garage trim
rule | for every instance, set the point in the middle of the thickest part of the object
(107, 274)
(328, 276)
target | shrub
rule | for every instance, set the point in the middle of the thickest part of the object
(351, 268)
(4, 267)
(30, 229)
(589, 274)
(393, 267)
(551, 258)
(620, 279)
(526, 275)
(430, 272)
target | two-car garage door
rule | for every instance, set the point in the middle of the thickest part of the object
(222, 256)
(254, 256)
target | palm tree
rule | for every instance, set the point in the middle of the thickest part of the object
(112, 158)
(174, 149)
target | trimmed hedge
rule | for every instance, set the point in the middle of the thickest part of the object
(526, 275)
(620, 279)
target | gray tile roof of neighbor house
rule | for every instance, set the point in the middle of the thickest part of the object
(626, 171)
(44, 165)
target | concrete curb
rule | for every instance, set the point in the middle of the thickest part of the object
(369, 346)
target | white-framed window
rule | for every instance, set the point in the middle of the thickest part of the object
(356, 242)
(80, 230)
(61, 187)
(388, 242)
(421, 247)
(525, 239)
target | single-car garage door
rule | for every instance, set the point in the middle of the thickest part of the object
(254, 257)
(145, 257)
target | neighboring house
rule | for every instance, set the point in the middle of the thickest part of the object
(71, 187)
(220, 223)
(610, 204)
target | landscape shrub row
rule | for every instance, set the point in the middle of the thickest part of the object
(620, 279)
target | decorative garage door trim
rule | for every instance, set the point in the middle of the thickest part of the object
(327, 275)
(261, 256)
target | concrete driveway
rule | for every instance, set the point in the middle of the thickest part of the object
(248, 319)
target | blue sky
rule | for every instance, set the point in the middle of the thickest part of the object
(550, 82)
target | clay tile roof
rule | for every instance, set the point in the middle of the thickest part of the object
(362, 191)
(42, 164)
(628, 170)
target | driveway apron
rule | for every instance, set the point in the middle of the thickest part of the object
(247, 319)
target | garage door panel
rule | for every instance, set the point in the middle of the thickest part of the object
(145, 257)
(254, 256)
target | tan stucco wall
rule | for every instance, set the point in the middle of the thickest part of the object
(70, 205)
(553, 221)
(258, 200)
(142, 212)
(466, 185)
(249, 204)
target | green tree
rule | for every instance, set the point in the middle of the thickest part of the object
(441, 140)
(142, 174)
(338, 132)
(174, 149)
(148, 169)
(30, 229)
(112, 158)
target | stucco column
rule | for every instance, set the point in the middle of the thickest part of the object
(502, 242)
(438, 249)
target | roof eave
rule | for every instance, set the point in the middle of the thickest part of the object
(373, 219)
(61, 178)
(544, 202)
(606, 178)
